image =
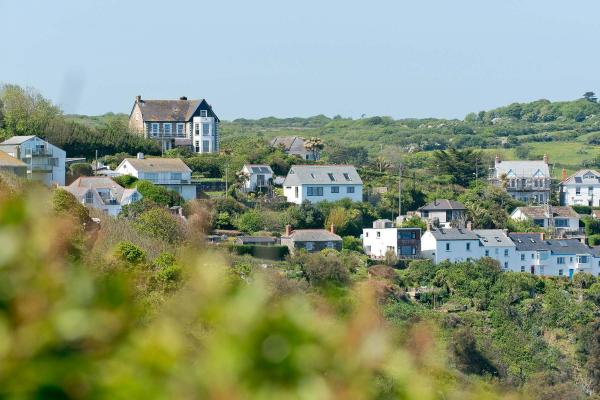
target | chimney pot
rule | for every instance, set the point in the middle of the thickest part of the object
(288, 230)
(545, 158)
(469, 225)
(183, 98)
(138, 98)
(498, 160)
(140, 156)
(332, 229)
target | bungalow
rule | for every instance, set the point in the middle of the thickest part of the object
(445, 212)
(102, 193)
(316, 183)
(562, 218)
(256, 177)
(171, 173)
(311, 240)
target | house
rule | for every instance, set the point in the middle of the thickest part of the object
(183, 122)
(294, 145)
(581, 188)
(451, 244)
(405, 243)
(256, 240)
(445, 212)
(102, 193)
(526, 181)
(257, 177)
(498, 246)
(557, 257)
(311, 240)
(12, 165)
(45, 162)
(316, 183)
(171, 173)
(562, 218)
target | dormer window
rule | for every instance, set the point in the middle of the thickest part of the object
(346, 176)
(331, 177)
(203, 113)
(312, 175)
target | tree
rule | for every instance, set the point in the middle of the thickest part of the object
(469, 358)
(590, 96)
(77, 170)
(159, 194)
(460, 165)
(315, 146)
(161, 224)
(324, 268)
(305, 216)
(64, 202)
(352, 243)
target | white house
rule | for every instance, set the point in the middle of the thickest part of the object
(562, 218)
(498, 246)
(581, 188)
(445, 212)
(557, 257)
(452, 244)
(45, 162)
(102, 193)
(527, 181)
(316, 183)
(171, 173)
(384, 237)
(258, 176)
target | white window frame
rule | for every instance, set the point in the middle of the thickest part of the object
(167, 128)
(180, 129)
(204, 113)
(309, 246)
(206, 125)
(154, 128)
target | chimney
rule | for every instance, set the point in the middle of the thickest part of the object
(545, 158)
(183, 98)
(332, 229)
(288, 230)
(140, 156)
(428, 227)
(469, 225)
(498, 160)
(138, 98)
(542, 236)
(564, 174)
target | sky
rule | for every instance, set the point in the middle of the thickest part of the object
(285, 58)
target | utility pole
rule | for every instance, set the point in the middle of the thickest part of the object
(400, 191)
(96, 169)
(226, 181)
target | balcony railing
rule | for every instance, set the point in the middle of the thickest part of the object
(38, 153)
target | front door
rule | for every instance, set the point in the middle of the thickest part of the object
(571, 273)
(532, 270)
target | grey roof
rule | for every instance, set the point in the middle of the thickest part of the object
(443, 204)
(322, 175)
(18, 139)
(453, 234)
(294, 144)
(257, 239)
(535, 242)
(169, 110)
(258, 168)
(493, 238)
(523, 169)
(158, 164)
(583, 177)
(6, 160)
(95, 183)
(314, 235)
(540, 212)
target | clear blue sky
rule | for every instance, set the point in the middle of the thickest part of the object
(440, 58)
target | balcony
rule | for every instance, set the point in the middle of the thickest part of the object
(40, 167)
(38, 153)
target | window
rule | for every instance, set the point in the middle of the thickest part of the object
(532, 256)
(561, 222)
(296, 191)
(407, 234)
(522, 257)
(330, 245)
(197, 146)
(196, 129)
(560, 272)
(168, 129)
(151, 176)
(487, 253)
(203, 113)
(205, 129)
(154, 128)
(505, 264)
(378, 235)
(89, 197)
(408, 251)
(309, 246)
(582, 259)
(206, 146)
(331, 177)
(447, 246)
(538, 222)
(134, 197)
(314, 191)
(346, 176)
(350, 189)
(180, 129)
(577, 190)
(176, 176)
(522, 268)
(335, 189)
(468, 246)
(560, 260)
(505, 252)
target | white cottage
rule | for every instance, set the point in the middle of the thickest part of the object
(316, 183)
(581, 188)
(561, 218)
(257, 176)
(102, 193)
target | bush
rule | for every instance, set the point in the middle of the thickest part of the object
(594, 240)
(261, 251)
(584, 210)
(127, 181)
(164, 260)
(159, 223)
(159, 194)
(324, 268)
(352, 243)
(130, 253)
(64, 202)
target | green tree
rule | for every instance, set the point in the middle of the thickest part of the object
(65, 203)
(161, 224)
(158, 194)
(460, 165)
(590, 96)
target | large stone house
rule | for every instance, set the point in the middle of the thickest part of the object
(316, 183)
(183, 122)
(526, 181)
(45, 162)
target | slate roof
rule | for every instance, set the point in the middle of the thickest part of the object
(84, 184)
(534, 212)
(322, 175)
(7, 160)
(17, 140)
(583, 177)
(293, 144)
(493, 238)
(443, 204)
(157, 164)
(258, 168)
(169, 110)
(453, 234)
(524, 169)
(313, 235)
(534, 242)
(256, 239)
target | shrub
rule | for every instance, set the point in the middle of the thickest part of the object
(260, 251)
(127, 181)
(594, 240)
(159, 223)
(324, 268)
(352, 243)
(159, 194)
(64, 202)
(164, 260)
(129, 252)
(169, 274)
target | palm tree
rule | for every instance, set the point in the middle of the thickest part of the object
(314, 145)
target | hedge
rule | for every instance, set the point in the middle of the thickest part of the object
(261, 251)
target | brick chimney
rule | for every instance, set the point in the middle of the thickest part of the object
(183, 98)
(469, 225)
(332, 229)
(138, 98)
(545, 158)
(564, 174)
(429, 227)
(288, 230)
(498, 160)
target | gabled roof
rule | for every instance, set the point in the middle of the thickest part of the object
(290, 143)
(17, 140)
(525, 169)
(169, 110)
(322, 175)
(83, 185)
(534, 212)
(453, 234)
(493, 238)
(258, 168)
(443, 204)
(313, 235)
(7, 160)
(534, 242)
(583, 177)
(157, 164)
